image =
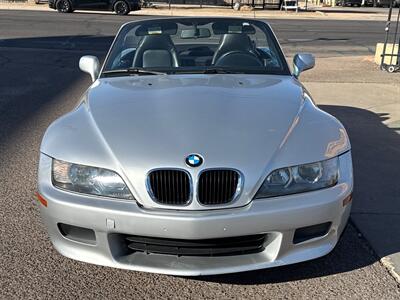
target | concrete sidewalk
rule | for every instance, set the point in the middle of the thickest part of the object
(162, 10)
(367, 101)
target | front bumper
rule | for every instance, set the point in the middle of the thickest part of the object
(277, 217)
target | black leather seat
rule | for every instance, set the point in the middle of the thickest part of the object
(156, 51)
(234, 42)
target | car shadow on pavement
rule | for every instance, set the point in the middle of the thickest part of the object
(375, 139)
(376, 159)
(98, 44)
(39, 71)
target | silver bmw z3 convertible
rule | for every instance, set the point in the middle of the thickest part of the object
(195, 151)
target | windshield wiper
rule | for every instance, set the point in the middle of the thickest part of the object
(133, 71)
(208, 70)
(218, 70)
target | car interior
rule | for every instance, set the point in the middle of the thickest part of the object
(171, 45)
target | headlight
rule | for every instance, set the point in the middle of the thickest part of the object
(302, 178)
(89, 180)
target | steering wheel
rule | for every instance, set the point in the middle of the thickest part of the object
(239, 59)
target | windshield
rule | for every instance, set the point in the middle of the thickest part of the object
(195, 45)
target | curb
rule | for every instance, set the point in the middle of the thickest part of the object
(387, 263)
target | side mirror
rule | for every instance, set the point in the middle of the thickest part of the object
(302, 62)
(91, 65)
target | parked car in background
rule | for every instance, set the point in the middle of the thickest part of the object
(120, 7)
(386, 3)
(349, 2)
(382, 3)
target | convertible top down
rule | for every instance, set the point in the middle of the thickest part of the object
(195, 151)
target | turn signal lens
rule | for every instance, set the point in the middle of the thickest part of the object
(347, 200)
(41, 199)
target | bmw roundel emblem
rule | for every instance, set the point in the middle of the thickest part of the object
(194, 160)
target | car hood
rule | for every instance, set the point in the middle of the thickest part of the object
(232, 121)
(156, 121)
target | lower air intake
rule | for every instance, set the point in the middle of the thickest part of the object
(208, 247)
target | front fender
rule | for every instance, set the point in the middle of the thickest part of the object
(75, 138)
(314, 136)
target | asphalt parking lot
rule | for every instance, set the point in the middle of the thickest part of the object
(40, 80)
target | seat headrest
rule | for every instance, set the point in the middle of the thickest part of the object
(159, 48)
(157, 59)
(236, 41)
(161, 41)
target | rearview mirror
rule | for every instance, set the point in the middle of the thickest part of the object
(195, 33)
(302, 62)
(91, 65)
